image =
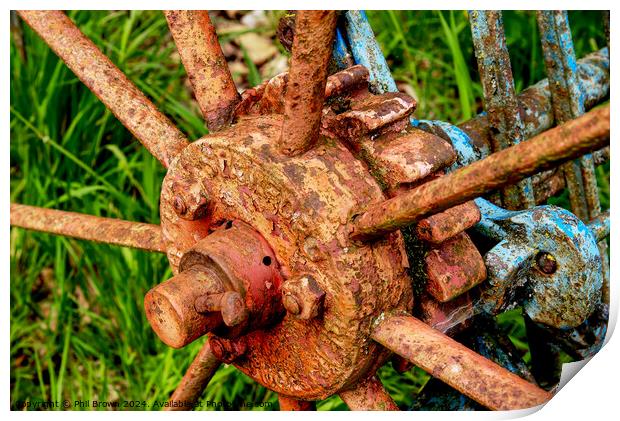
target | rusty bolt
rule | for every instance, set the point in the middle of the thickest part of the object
(303, 297)
(190, 201)
(233, 309)
(230, 304)
(546, 263)
(290, 304)
(226, 350)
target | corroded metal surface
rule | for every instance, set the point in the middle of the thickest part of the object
(499, 94)
(572, 139)
(450, 317)
(196, 378)
(368, 395)
(600, 226)
(535, 102)
(545, 255)
(229, 283)
(453, 268)
(196, 40)
(88, 227)
(301, 206)
(366, 51)
(111, 86)
(303, 100)
(441, 226)
(473, 375)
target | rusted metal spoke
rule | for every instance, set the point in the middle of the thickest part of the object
(111, 86)
(569, 102)
(194, 381)
(291, 404)
(600, 226)
(88, 227)
(535, 101)
(205, 64)
(304, 97)
(570, 140)
(369, 395)
(499, 95)
(468, 372)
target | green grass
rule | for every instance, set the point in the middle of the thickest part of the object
(78, 329)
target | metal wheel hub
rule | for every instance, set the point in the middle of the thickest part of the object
(300, 206)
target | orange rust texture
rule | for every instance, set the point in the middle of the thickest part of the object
(194, 381)
(443, 225)
(570, 140)
(405, 159)
(301, 206)
(234, 258)
(205, 64)
(88, 227)
(268, 97)
(453, 267)
(304, 97)
(450, 317)
(291, 404)
(111, 86)
(369, 395)
(468, 372)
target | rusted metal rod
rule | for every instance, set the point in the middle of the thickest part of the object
(535, 102)
(196, 378)
(88, 227)
(112, 87)
(572, 139)
(468, 372)
(369, 395)
(304, 96)
(499, 94)
(292, 404)
(205, 64)
(600, 226)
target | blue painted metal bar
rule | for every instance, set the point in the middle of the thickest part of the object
(499, 94)
(568, 100)
(366, 51)
(341, 55)
(600, 226)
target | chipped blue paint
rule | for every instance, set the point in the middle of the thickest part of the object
(366, 51)
(341, 54)
(563, 299)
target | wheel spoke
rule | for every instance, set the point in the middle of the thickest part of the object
(304, 97)
(112, 87)
(88, 227)
(196, 378)
(205, 64)
(572, 139)
(291, 404)
(468, 372)
(369, 395)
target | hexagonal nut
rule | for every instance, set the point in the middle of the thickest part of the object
(303, 297)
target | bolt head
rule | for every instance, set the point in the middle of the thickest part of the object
(290, 304)
(546, 263)
(233, 309)
(179, 205)
(304, 296)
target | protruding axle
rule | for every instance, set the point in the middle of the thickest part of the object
(468, 372)
(304, 97)
(229, 283)
(572, 139)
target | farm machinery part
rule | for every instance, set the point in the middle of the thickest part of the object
(292, 227)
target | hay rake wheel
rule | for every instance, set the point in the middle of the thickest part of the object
(283, 225)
